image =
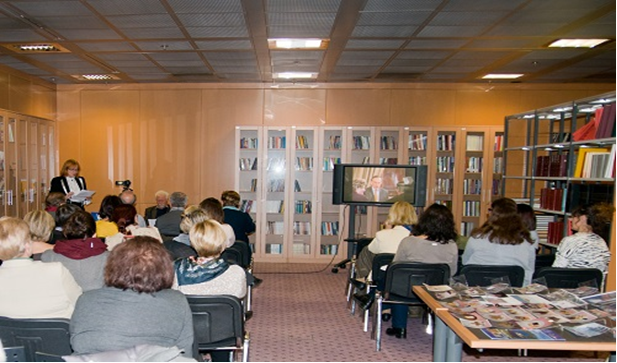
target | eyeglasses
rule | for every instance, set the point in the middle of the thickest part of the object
(73, 169)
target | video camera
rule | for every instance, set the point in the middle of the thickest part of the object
(126, 184)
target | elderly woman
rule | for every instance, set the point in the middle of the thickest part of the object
(104, 226)
(31, 289)
(125, 217)
(41, 226)
(136, 306)
(214, 210)
(69, 182)
(81, 253)
(180, 246)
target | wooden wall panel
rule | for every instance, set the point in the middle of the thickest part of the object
(303, 107)
(19, 94)
(171, 133)
(425, 108)
(68, 128)
(223, 110)
(108, 141)
(4, 90)
(484, 106)
(358, 107)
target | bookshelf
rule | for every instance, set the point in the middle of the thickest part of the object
(27, 162)
(559, 157)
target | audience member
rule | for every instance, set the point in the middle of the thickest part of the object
(162, 206)
(62, 215)
(125, 217)
(180, 246)
(104, 226)
(129, 197)
(502, 240)
(169, 223)
(214, 210)
(401, 217)
(209, 274)
(136, 306)
(69, 182)
(529, 221)
(432, 240)
(81, 253)
(585, 248)
(31, 289)
(41, 226)
(52, 201)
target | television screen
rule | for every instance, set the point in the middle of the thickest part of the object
(380, 185)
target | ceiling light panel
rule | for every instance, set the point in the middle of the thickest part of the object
(577, 43)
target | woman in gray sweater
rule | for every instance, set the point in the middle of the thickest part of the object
(136, 306)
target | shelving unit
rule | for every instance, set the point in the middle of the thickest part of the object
(542, 158)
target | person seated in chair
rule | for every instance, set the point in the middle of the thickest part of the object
(169, 223)
(162, 206)
(432, 240)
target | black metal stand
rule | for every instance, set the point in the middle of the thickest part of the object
(351, 238)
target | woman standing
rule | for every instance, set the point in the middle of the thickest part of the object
(585, 248)
(69, 182)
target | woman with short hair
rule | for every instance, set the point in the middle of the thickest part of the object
(125, 217)
(104, 226)
(136, 305)
(214, 210)
(41, 225)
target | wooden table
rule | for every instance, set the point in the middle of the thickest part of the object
(449, 335)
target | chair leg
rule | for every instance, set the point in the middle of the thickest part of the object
(249, 298)
(377, 320)
(245, 348)
(366, 319)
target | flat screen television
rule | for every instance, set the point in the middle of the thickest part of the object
(379, 185)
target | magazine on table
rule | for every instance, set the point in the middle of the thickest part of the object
(588, 330)
(522, 334)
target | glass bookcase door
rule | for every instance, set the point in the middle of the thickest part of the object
(249, 176)
(11, 168)
(417, 146)
(389, 153)
(276, 177)
(43, 156)
(473, 181)
(498, 165)
(445, 162)
(361, 152)
(33, 166)
(22, 167)
(330, 216)
(303, 178)
(3, 201)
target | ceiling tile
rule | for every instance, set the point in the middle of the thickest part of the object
(302, 6)
(384, 31)
(451, 31)
(224, 44)
(203, 7)
(217, 32)
(127, 7)
(393, 18)
(52, 8)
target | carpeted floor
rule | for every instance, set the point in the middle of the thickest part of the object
(300, 315)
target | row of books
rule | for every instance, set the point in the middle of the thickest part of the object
(302, 228)
(466, 228)
(302, 142)
(361, 142)
(329, 249)
(417, 142)
(417, 160)
(248, 143)
(445, 164)
(275, 227)
(335, 142)
(304, 163)
(278, 185)
(388, 161)
(277, 142)
(274, 248)
(301, 248)
(471, 208)
(303, 207)
(247, 205)
(496, 187)
(498, 146)
(444, 186)
(498, 165)
(555, 165)
(388, 143)
(446, 142)
(595, 163)
(474, 164)
(555, 232)
(475, 142)
(551, 198)
(248, 163)
(329, 228)
(275, 206)
(600, 127)
(472, 186)
(328, 163)
(278, 164)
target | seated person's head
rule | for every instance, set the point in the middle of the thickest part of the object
(178, 199)
(80, 225)
(41, 225)
(192, 215)
(140, 264)
(162, 199)
(64, 212)
(107, 206)
(401, 214)
(213, 208)
(123, 216)
(128, 197)
(14, 238)
(54, 200)
(437, 223)
(527, 215)
(208, 238)
(231, 198)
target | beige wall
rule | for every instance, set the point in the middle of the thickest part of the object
(25, 94)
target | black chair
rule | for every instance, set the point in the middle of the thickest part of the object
(544, 260)
(483, 275)
(49, 336)
(400, 279)
(218, 321)
(245, 254)
(569, 278)
(15, 354)
(232, 256)
(240, 254)
(369, 286)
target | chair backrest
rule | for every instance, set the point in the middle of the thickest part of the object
(401, 277)
(218, 321)
(15, 354)
(232, 256)
(483, 275)
(36, 335)
(243, 250)
(379, 274)
(566, 278)
(544, 260)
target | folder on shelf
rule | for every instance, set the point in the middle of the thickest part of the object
(580, 159)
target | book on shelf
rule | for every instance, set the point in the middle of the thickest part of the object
(610, 170)
(498, 146)
(474, 164)
(302, 228)
(595, 164)
(475, 142)
(557, 138)
(581, 158)
(248, 143)
(417, 142)
(446, 142)
(335, 142)
(388, 143)
(388, 161)
(277, 142)
(362, 142)
(328, 163)
(551, 198)
(587, 132)
(417, 160)
(303, 207)
(558, 165)
(301, 142)
(304, 163)
(605, 123)
(329, 228)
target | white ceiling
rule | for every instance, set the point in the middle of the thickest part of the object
(143, 41)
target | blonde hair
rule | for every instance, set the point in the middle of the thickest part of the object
(208, 238)
(71, 163)
(14, 237)
(402, 214)
(192, 215)
(41, 225)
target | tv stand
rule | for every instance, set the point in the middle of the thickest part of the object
(352, 239)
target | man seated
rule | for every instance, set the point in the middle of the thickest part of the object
(169, 223)
(162, 206)
(129, 197)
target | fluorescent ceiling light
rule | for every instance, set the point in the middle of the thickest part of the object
(502, 76)
(297, 43)
(96, 77)
(295, 75)
(35, 48)
(577, 43)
